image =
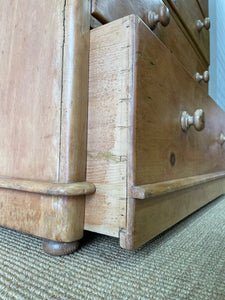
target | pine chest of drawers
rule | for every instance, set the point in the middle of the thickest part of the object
(141, 152)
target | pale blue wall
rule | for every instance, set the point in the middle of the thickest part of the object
(217, 51)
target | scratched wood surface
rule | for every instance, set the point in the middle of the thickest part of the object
(43, 87)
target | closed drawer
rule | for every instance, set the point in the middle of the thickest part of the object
(171, 35)
(137, 93)
(189, 13)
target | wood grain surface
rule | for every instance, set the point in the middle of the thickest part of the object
(43, 86)
(110, 77)
(73, 147)
(30, 88)
(48, 217)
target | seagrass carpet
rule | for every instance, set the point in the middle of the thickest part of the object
(185, 262)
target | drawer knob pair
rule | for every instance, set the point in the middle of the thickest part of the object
(163, 16)
(197, 120)
(205, 77)
(205, 23)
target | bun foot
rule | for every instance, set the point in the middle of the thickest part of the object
(59, 248)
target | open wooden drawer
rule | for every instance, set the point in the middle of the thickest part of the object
(151, 162)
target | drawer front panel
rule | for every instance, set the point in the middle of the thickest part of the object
(171, 35)
(189, 12)
(163, 89)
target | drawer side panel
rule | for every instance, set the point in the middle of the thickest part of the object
(110, 96)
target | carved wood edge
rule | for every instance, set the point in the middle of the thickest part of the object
(157, 189)
(48, 188)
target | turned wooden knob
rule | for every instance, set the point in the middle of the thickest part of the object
(197, 120)
(163, 16)
(205, 77)
(221, 139)
(205, 23)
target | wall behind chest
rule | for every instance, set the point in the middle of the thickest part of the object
(217, 50)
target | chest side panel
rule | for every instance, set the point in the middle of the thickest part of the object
(30, 88)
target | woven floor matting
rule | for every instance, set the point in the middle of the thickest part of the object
(186, 262)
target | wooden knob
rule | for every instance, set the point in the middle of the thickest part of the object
(163, 16)
(205, 77)
(197, 120)
(221, 139)
(205, 23)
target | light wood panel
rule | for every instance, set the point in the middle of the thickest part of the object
(108, 122)
(30, 88)
(172, 35)
(48, 217)
(73, 147)
(44, 86)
